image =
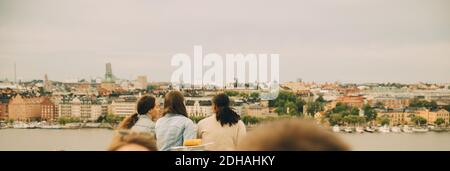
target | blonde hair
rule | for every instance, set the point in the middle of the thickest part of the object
(291, 135)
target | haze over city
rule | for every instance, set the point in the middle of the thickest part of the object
(349, 41)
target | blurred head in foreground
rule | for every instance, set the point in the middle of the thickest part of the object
(291, 135)
(133, 141)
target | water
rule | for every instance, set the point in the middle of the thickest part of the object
(430, 141)
(99, 139)
(55, 139)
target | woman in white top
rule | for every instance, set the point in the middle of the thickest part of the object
(224, 129)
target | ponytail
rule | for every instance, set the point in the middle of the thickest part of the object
(225, 114)
(128, 122)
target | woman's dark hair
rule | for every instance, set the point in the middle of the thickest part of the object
(174, 103)
(225, 115)
(145, 104)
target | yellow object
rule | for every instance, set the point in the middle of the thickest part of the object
(192, 142)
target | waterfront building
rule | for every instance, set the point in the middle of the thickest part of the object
(65, 107)
(431, 116)
(397, 117)
(84, 108)
(25, 108)
(49, 110)
(124, 106)
(4, 100)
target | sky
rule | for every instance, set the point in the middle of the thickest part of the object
(357, 41)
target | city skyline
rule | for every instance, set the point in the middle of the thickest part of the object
(348, 41)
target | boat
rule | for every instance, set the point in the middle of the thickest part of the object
(420, 130)
(384, 129)
(396, 129)
(348, 130)
(359, 130)
(407, 129)
(370, 130)
(20, 125)
(336, 128)
(33, 125)
(438, 129)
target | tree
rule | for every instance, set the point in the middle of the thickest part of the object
(369, 112)
(68, 119)
(350, 119)
(418, 120)
(231, 93)
(314, 107)
(151, 88)
(379, 105)
(439, 121)
(384, 120)
(113, 119)
(291, 108)
(335, 119)
(287, 99)
(254, 95)
(244, 95)
(447, 108)
(416, 102)
(432, 105)
(250, 119)
(320, 99)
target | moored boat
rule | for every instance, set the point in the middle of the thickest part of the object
(384, 129)
(396, 129)
(420, 130)
(336, 128)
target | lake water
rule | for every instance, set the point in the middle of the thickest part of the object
(99, 139)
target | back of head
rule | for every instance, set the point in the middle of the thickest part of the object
(224, 114)
(144, 105)
(133, 141)
(291, 135)
(174, 103)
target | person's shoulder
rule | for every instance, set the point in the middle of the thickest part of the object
(206, 120)
(241, 124)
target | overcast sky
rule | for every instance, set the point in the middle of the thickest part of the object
(318, 40)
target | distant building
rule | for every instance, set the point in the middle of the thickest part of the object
(3, 111)
(397, 117)
(391, 103)
(25, 108)
(256, 110)
(141, 82)
(431, 116)
(109, 77)
(85, 108)
(199, 107)
(355, 101)
(108, 83)
(47, 84)
(4, 100)
(49, 111)
(124, 106)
